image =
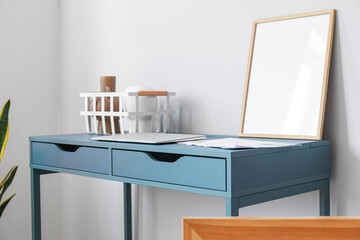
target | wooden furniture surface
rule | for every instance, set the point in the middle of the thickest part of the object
(242, 176)
(235, 228)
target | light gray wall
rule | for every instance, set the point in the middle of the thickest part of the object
(199, 49)
(29, 75)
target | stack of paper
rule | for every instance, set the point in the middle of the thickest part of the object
(232, 143)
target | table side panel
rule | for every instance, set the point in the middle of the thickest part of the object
(89, 159)
(269, 171)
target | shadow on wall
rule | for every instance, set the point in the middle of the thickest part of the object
(336, 128)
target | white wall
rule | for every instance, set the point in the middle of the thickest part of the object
(29, 75)
(197, 48)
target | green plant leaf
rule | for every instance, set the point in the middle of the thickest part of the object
(5, 183)
(5, 203)
(4, 133)
(6, 177)
(4, 127)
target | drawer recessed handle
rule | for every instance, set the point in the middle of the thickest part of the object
(164, 157)
(68, 147)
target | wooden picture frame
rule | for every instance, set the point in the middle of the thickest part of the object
(248, 119)
(235, 228)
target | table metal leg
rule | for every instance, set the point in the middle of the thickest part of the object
(35, 204)
(325, 199)
(127, 212)
(232, 207)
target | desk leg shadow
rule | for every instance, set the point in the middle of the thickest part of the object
(127, 212)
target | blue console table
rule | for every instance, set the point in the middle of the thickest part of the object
(243, 177)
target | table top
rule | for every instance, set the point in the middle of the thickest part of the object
(84, 139)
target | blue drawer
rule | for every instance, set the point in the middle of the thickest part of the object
(202, 172)
(89, 159)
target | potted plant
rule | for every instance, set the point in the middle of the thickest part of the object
(4, 132)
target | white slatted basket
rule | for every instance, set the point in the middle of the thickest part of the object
(92, 115)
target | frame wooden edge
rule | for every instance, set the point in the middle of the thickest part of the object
(278, 136)
(247, 227)
(189, 231)
(246, 86)
(300, 15)
(326, 72)
(332, 13)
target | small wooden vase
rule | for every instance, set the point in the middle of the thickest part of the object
(107, 84)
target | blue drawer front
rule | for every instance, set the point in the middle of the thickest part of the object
(87, 159)
(202, 172)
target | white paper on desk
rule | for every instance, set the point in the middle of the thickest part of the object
(232, 143)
